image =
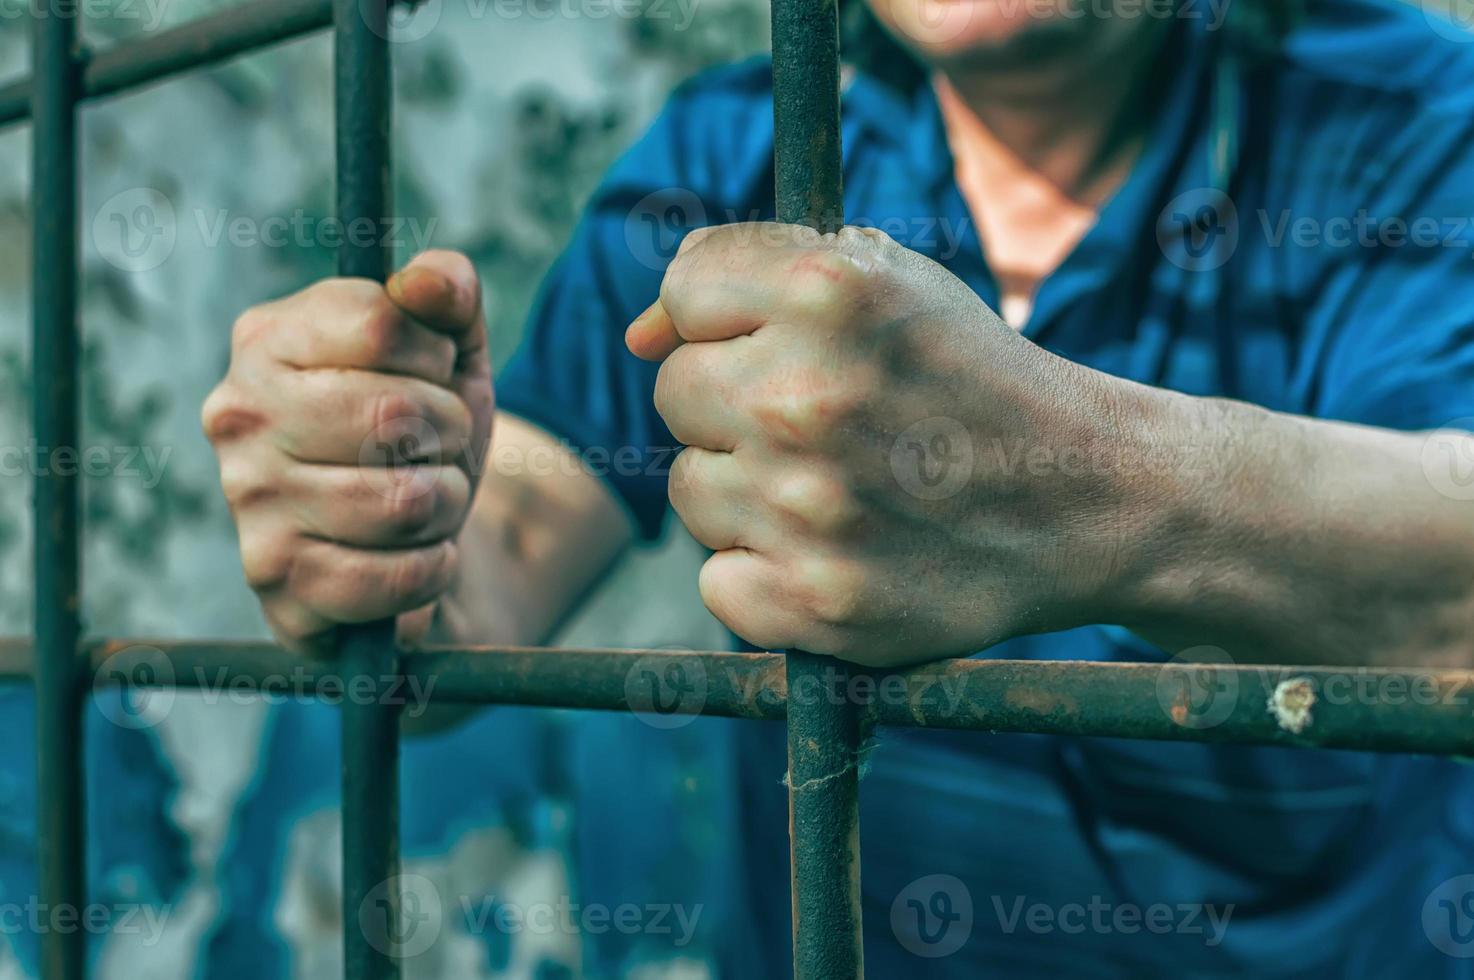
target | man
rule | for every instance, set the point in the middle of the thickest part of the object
(1233, 287)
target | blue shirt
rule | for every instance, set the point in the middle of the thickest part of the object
(1296, 234)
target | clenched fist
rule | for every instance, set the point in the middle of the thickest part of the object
(351, 430)
(850, 410)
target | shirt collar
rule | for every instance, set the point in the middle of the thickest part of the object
(1178, 157)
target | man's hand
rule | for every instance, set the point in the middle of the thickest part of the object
(859, 424)
(351, 431)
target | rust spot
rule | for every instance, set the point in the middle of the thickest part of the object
(1041, 701)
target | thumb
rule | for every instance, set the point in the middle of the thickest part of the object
(440, 289)
(653, 336)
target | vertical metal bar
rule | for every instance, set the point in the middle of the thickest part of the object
(60, 670)
(371, 914)
(823, 725)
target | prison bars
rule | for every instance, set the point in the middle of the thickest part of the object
(370, 752)
(55, 283)
(197, 44)
(825, 702)
(1424, 711)
(823, 732)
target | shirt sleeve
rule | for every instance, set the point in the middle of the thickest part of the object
(1397, 305)
(572, 375)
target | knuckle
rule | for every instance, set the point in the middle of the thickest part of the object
(378, 329)
(824, 281)
(418, 577)
(680, 482)
(266, 561)
(672, 381)
(390, 410)
(243, 484)
(251, 327)
(830, 592)
(215, 414)
(818, 502)
(411, 511)
(722, 598)
(807, 412)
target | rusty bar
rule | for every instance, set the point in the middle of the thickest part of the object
(823, 729)
(1414, 710)
(371, 922)
(61, 816)
(201, 43)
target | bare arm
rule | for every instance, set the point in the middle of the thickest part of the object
(1287, 539)
(888, 473)
(541, 532)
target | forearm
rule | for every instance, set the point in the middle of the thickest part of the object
(541, 533)
(1285, 539)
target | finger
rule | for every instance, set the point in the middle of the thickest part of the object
(357, 585)
(299, 629)
(441, 290)
(388, 507)
(736, 278)
(653, 336)
(707, 490)
(695, 393)
(367, 419)
(353, 324)
(716, 287)
(737, 587)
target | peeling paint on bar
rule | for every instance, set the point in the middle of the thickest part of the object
(1291, 703)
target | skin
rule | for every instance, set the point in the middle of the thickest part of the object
(811, 376)
(828, 387)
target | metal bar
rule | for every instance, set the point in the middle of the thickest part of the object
(203, 42)
(198, 44)
(371, 916)
(1359, 708)
(823, 720)
(61, 816)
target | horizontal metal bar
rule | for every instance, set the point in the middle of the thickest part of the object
(1368, 709)
(219, 37)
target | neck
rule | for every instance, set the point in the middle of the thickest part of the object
(1077, 121)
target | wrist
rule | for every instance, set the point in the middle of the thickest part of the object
(1175, 504)
(1141, 510)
